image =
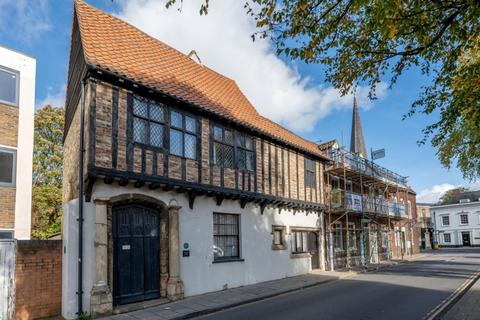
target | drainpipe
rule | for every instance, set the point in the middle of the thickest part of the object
(80, 203)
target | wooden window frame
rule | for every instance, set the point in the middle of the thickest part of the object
(167, 126)
(222, 142)
(461, 222)
(238, 236)
(340, 230)
(443, 221)
(148, 119)
(240, 148)
(449, 238)
(350, 237)
(283, 244)
(184, 132)
(294, 242)
(310, 176)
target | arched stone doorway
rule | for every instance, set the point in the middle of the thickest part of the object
(134, 232)
(136, 253)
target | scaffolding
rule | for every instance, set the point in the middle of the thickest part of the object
(362, 213)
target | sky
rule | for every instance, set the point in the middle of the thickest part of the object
(291, 93)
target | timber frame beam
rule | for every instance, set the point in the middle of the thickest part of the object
(194, 189)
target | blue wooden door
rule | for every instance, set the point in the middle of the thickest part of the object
(136, 253)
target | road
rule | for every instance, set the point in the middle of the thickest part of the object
(406, 291)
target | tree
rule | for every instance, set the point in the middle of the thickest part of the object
(362, 42)
(47, 172)
(451, 195)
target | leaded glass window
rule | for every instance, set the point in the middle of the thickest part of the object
(148, 122)
(226, 236)
(223, 147)
(245, 154)
(183, 135)
(310, 179)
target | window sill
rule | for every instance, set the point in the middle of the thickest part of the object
(278, 247)
(228, 260)
(300, 255)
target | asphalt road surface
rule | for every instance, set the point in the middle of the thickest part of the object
(406, 291)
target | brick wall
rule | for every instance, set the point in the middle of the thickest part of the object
(38, 279)
(8, 137)
(282, 168)
(8, 125)
(7, 207)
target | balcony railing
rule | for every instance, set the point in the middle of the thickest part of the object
(365, 166)
(361, 203)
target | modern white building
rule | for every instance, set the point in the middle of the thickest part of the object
(17, 107)
(457, 224)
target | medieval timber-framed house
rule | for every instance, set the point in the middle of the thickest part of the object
(187, 188)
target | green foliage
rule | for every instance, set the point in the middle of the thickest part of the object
(47, 172)
(451, 194)
(84, 316)
(363, 42)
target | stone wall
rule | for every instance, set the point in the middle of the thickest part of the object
(38, 279)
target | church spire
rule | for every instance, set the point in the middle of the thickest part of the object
(357, 143)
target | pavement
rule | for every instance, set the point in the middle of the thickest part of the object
(394, 291)
(468, 307)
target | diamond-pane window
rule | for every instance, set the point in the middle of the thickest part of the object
(245, 157)
(218, 133)
(176, 119)
(140, 108)
(157, 112)
(148, 119)
(223, 155)
(190, 124)
(240, 140)
(249, 143)
(228, 137)
(227, 156)
(156, 135)
(176, 142)
(190, 146)
(250, 161)
(241, 160)
(140, 130)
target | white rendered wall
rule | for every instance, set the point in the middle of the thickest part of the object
(198, 273)
(26, 67)
(455, 228)
(70, 257)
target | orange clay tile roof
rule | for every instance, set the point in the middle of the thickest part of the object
(114, 45)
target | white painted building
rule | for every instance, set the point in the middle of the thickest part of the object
(17, 107)
(458, 224)
(259, 259)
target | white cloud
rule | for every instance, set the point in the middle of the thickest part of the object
(24, 20)
(55, 99)
(433, 194)
(223, 42)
